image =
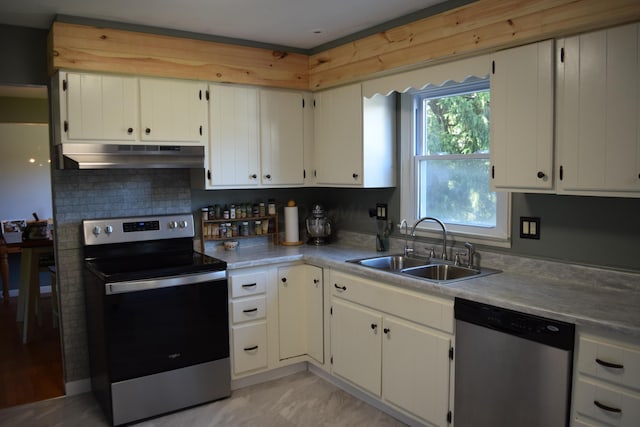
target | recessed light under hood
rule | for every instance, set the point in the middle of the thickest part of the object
(117, 156)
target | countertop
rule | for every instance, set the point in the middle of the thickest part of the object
(596, 299)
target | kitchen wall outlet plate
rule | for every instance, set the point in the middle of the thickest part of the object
(381, 211)
(529, 227)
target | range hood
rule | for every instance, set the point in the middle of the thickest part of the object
(117, 156)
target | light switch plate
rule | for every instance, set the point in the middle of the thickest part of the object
(529, 227)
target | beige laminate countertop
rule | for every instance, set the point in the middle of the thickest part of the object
(596, 299)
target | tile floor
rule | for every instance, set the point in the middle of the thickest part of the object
(301, 399)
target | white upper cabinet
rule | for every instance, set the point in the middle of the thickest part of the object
(173, 111)
(281, 137)
(131, 110)
(96, 108)
(354, 142)
(234, 149)
(522, 96)
(598, 112)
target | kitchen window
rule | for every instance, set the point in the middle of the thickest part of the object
(445, 153)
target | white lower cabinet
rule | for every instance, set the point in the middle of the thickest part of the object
(249, 347)
(607, 383)
(385, 341)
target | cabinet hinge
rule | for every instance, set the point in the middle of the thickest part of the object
(64, 85)
(200, 94)
(302, 102)
(332, 360)
(209, 174)
(493, 172)
(493, 67)
(561, 172)
(449, 417)
(200, 130)
(562, 54)
(314, 103)
(451, 353)
(66, 126)
(207, 94)
(331, 311)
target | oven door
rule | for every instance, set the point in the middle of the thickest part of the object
(158, 325)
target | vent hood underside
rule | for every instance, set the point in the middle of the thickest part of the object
(114, 156)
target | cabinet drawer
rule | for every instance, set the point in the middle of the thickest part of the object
(609, 405)
(248, 309)
(247, 284)
(618, 364)
(427, 310)
(249, 347)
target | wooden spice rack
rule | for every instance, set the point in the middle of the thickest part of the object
(209, 224)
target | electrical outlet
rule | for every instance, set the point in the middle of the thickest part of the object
(529, 227)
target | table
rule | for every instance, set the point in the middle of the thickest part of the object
(29, 293)
(5, 250)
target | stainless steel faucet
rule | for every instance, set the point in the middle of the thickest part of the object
(406, 236)
(444, 233)
(470, 252)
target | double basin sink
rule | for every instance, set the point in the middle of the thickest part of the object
(430, 270)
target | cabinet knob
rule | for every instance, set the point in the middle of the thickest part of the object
(284, 280)
(130, 131)
(268, 176)
(316, 281)
(147, 131)
(541, 174)
(355, 175)
(374, 326)
(253, 176)
(386, 330)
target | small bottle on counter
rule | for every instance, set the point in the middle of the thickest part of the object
(271, 207)
(261, 209)
(231, 230)
(258, 228)
(244, 228)
(225, 213)
(223, 230)
(217, 212)
(232, 212)
(205, 213)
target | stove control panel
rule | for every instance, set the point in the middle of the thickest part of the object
(137, 229)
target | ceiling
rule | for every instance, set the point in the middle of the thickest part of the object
(302, 24)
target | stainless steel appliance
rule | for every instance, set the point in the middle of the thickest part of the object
(157, 317)
(318, 226)
(511, 369)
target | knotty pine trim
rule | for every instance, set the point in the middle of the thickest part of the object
(479, 27)
(86, 48)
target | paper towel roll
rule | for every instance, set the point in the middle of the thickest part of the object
(291, 233)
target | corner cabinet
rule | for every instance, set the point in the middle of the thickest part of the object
(257, 137)
(598, 110)
(354, 138)
(129, 110)
(300, 312)
(522, 89)
(395, 344)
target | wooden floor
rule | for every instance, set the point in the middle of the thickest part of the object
(29, 372)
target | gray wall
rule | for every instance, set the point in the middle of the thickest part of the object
(24, 56)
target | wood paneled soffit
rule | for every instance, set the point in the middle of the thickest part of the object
(85, 48)
(478, 27)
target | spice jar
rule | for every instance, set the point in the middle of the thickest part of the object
(258, 228)
(271, 207)
(261, 209)
(244, 228)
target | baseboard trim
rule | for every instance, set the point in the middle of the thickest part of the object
(72, 388)
(270, 375)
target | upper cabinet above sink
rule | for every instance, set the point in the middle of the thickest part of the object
(354, 141)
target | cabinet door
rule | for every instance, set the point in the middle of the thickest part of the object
(281, 137)
(416, 369)
(234, 143)
(338, 136)
(314, 311)
(300, 312)
(598, 112)
(355, 345)
(100, 108)
(173, 111)
(522, 117)
(292, 311)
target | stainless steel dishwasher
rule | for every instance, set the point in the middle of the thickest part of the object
(511, 369)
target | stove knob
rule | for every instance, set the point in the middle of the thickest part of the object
(108, 229)
(97, 230)
(183, 224)
(173, 225)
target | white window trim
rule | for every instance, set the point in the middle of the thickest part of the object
(500, 237)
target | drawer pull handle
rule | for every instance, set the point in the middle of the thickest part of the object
(250, 310)
(255, 347)
(250, 285)
(607, 408)
(609, 364)
(342, 288)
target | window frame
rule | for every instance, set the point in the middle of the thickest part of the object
(499, 236)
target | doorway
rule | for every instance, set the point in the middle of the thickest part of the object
(29, 371)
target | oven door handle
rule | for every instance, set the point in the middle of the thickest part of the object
(163, 282)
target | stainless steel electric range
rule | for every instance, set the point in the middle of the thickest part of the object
(157, 317)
